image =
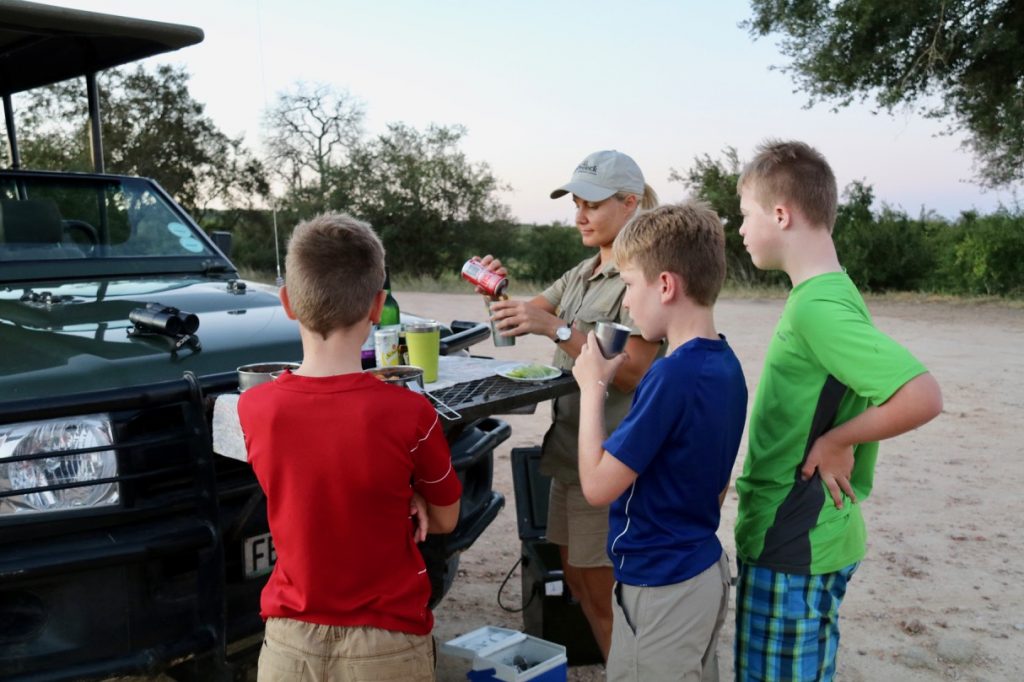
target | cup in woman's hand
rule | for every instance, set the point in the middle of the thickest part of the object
(611, 337)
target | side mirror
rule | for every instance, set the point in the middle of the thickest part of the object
(222, 240)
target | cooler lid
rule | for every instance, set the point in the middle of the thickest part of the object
(481, 641)
(531, 490)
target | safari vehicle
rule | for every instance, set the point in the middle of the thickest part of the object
(127, 546)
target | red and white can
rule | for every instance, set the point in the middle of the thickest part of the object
(385, 347)
(488, 280)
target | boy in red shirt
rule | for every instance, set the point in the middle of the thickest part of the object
(340, 455)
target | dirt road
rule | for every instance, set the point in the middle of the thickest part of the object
(941, 593)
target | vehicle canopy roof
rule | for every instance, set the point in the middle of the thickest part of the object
(44, 44)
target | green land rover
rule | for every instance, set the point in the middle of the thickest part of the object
(127, 546)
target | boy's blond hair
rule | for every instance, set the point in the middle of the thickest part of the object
(334, 268)
(796, 173)
(686, 239)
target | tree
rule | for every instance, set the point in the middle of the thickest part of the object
(887, 251)
(542, 253)
(714, 181)
(958, 60)
(431, 206)
(152, 127)
(310, 134)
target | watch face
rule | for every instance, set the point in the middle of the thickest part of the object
(563, 334)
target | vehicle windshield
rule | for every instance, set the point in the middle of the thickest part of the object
(117, 220)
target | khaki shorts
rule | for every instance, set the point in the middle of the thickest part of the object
(294, 650)
(669, 632)
(573, 523)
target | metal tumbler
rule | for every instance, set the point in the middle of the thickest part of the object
(611, 337)
(496, 336)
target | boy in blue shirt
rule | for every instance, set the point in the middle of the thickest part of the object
(666, 467)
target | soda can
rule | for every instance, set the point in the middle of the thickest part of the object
(385, 347)
(488, 280)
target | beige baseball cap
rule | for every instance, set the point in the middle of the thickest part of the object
(601, 175)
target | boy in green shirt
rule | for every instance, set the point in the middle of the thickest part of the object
(833, 385)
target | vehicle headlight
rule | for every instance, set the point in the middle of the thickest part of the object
(76, 469)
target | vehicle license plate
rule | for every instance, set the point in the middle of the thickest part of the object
(258, 555)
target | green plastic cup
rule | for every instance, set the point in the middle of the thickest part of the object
(423, 339)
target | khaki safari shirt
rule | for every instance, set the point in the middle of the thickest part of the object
(582, 298)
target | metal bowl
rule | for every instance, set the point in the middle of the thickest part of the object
(261, 372)
(402, 375)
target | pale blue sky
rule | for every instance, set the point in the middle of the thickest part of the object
(539, 85)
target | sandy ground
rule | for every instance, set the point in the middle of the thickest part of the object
(941, 593)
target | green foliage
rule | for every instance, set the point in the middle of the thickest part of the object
(880, 253)
(889, 251)
(885, 250)
(252, 236)
(986, 255)
(151, 127)
(961, 59)
(432, 207)
(714, 181)
(542, 253)
(429, 204)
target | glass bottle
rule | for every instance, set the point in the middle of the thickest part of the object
(390, 316)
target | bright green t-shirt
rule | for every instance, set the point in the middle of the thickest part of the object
(826, 364)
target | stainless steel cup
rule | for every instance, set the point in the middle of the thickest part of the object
(496, 336)
(258, 373)
(611, 337)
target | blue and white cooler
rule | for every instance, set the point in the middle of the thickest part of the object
(509, 656)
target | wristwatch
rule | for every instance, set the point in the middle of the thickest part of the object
(563, 333)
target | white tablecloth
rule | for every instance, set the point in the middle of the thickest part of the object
(227, 432)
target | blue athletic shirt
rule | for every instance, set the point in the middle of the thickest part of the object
(681, 437)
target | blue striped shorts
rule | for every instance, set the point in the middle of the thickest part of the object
(787, 625)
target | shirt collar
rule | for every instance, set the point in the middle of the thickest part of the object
(607, 270)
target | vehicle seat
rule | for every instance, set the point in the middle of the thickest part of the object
(32, 229)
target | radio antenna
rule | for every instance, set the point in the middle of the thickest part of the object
(277, 246)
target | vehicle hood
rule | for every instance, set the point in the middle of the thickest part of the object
(60, 338)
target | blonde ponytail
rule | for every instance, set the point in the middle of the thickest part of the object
(650, 198)
(646, 202)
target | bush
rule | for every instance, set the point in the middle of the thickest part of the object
(542, 253)
(986, 253)
(889, 252)
(252, 236)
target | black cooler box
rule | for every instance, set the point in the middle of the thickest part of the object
(549, 609)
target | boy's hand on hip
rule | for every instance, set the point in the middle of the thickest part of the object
(834, 463)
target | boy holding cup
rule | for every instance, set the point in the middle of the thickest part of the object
(666, 467)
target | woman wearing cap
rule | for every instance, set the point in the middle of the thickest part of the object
(607, 189)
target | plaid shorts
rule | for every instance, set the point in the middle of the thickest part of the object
(787, 625)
